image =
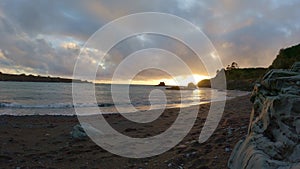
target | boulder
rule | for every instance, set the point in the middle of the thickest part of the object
(78, 132)
(273, 139)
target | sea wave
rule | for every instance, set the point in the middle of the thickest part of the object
(52, 106)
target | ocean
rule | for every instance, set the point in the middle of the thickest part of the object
(32, 98)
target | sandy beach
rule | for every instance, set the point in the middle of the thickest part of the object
(45, 141)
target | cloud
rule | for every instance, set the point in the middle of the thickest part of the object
(70, 45)
(45, 37)
(3, 58)
(22, 53)
(187, 5)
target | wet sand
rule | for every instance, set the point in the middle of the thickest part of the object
(45, 141)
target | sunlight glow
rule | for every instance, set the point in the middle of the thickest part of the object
(177, 81)
(185, 80)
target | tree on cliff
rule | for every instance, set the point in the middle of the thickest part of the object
(233, 65)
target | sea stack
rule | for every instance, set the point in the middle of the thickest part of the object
(161, 84)
(191, 86)
(273, 139)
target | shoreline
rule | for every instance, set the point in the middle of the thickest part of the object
(45, 141)
(228, 98)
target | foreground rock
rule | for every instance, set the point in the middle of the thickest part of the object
(273, 140)
(78, 132)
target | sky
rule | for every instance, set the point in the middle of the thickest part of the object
(45, 37)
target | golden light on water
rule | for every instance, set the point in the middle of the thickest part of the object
(185, 80)
(176, 81)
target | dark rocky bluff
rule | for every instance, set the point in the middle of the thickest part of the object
(245, 78)
(32, 78)
(273, 139)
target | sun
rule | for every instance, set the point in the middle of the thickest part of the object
(198, 78)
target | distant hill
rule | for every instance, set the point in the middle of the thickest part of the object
(244, 79)
(245, 73)
(31, 78)
(286, 58)
(239, 79)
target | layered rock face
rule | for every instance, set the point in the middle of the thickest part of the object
(273, 140)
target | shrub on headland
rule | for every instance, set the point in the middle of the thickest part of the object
(286, 58)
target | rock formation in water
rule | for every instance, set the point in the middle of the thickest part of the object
(191, 86)
(273, 140)
(161, 84)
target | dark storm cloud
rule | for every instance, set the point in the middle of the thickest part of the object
(33, 55)
(44, 37)
(127, 47)
(253, 32)
(50, 17)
